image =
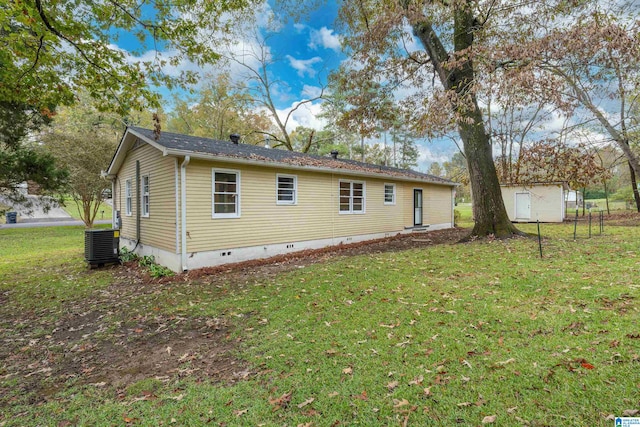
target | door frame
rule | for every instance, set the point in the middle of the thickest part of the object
(528, 194)
(416, 199)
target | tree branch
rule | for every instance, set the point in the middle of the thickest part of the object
(45, 21)
(35, 62)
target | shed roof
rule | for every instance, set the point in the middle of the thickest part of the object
(212, 149)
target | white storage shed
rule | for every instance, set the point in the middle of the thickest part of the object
(544, 202)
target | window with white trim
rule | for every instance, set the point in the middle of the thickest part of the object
(287, 189)
(352, 197)
(128, 207)
(145, 196)
(226, 193)
(389, 194)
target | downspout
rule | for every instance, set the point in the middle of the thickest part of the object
(138, 201)
(176, 178)
(183, 210)
(333, 210)
(453, 206)
(114, 211)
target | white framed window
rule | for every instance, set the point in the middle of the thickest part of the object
(226, 193)
(145, 196)
(352, 197)
(389, 194)
(128, 200)
(286, 189)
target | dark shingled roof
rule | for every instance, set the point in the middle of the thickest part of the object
(217, 148)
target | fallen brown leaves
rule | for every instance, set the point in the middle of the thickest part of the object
(281, 402)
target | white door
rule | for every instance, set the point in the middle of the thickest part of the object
(523, 205)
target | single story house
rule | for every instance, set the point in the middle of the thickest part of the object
(194, 202)
(544, 202)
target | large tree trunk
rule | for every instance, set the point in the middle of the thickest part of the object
(488, 207)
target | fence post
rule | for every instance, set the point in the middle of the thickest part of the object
(575, 225)
(539, 238)
(589, 223)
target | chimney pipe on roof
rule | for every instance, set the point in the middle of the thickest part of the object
(334, 154)
(235, 138)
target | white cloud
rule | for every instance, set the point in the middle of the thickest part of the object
(304, 66)
(240, 47)
(439, 151)
(299, 27)
(325, 38)
(426, 155)
(311, 91)
(306, 115)
(170, 69)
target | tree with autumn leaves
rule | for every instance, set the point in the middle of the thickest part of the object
(441, 56)
(555, 161)
(53, 50)
(426, 64)
(588, 68)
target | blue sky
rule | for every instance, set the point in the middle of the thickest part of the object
(304, 53)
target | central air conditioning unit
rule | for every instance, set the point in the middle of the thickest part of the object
(101, 246)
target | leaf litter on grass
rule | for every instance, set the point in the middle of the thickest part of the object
(483, 317)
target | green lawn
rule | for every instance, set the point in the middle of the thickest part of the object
(44, 266)
(614, 205)
(465, 334)
(72, 209)
(466, 214)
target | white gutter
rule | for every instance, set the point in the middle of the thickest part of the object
(453, 206)
(183, 210)
(281, 165)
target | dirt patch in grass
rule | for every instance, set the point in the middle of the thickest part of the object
(624, 219)
(110, 339)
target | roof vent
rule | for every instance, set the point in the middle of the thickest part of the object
(235, 138)
(334, 154)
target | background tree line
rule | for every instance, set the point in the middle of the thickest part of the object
(480, 73)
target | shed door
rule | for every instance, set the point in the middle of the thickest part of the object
(523, 205)
(417, 207)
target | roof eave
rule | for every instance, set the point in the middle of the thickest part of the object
(272, 164)
(123, 147)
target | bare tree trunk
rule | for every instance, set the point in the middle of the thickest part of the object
(606, 196)
(634, 186)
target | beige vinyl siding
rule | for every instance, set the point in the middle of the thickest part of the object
(158, 229)
(407, 202)
(263, 221)
(437, 205)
